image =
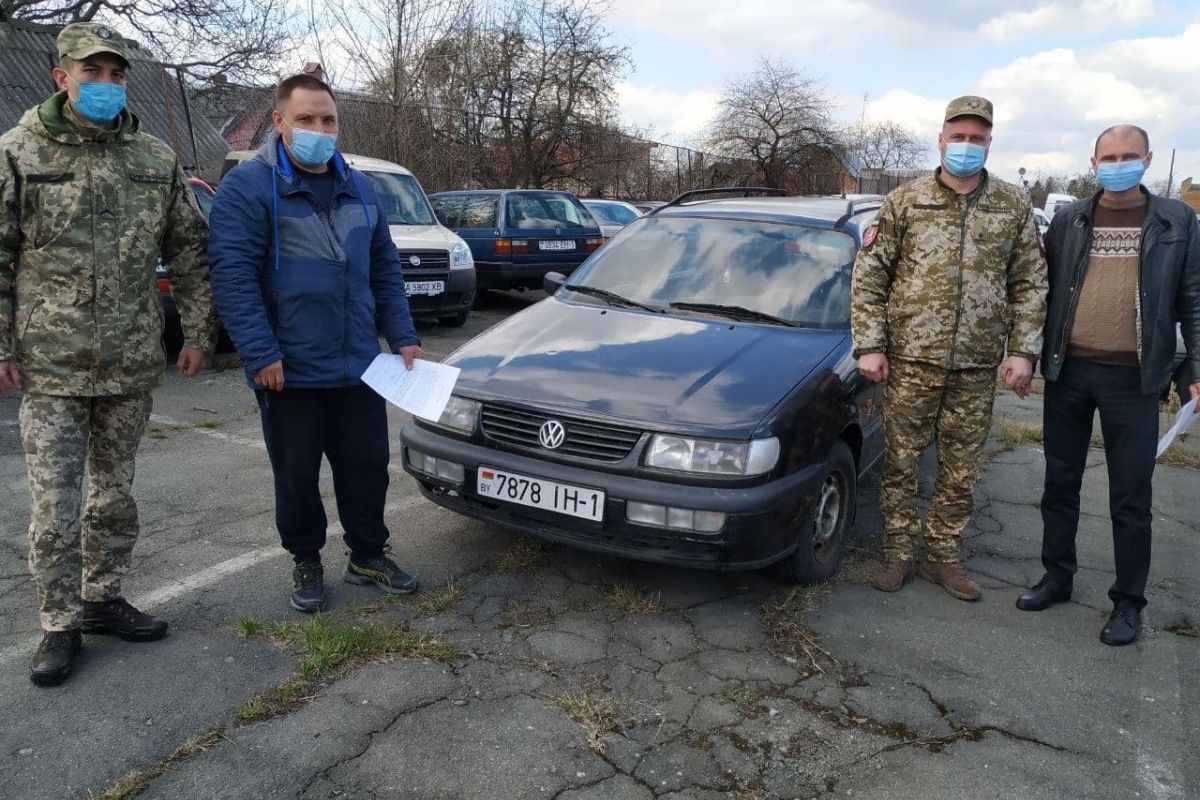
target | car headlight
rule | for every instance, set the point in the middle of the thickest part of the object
(460, 415)
(460, 256)
(713, 458)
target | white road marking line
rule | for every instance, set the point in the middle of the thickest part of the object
(212, 432)
(217, 572)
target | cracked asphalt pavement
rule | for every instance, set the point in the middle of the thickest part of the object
(592, 678)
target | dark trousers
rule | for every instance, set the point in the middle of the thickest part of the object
(349, 427)
(1129, 424)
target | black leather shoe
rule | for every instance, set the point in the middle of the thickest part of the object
(119, 618)
(1046, 593)
(51, 663)
(1123, 626)
(308, 581)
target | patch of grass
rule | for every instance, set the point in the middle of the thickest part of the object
(137, 781)
(523, 555)
(1014, 433)
(1183, 627)
(1178, 457)
(596, 713)
(789, 636)
(329, 648)
(208, 423)
(742, 695)
(577, 605)
(632, 600)
(437, 601)
(250, 626)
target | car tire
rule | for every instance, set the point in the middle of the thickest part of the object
(826, 528)
(455, 321)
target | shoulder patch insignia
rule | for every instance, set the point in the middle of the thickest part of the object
(869, 235)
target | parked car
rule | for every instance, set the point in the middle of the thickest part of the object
(646, 206)
(519, 235)
(439, 272)
(1042, 220)
(172, 328)
(689, 396)
(1056, 201)
(613, 215)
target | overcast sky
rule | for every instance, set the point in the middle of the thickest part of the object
(1058, 71)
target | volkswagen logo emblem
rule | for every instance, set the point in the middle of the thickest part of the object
(552, 434)
(414, 260)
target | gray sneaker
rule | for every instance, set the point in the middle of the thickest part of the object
(308, 580)
(381, 571)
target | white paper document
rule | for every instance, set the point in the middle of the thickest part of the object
(1185, 417)
(422, 391)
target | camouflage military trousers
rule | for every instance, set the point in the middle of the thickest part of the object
(80, 548)
(922, 403)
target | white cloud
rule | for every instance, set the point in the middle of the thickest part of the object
(678, 117)
(1082, 16)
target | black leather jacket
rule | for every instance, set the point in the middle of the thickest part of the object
(1168, 285)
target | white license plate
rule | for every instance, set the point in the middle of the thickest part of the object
(574, 501)
(424, 287)
(560, 244)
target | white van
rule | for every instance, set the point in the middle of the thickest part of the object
(439, 271)
(1057, 201)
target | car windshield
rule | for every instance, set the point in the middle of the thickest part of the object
(526, 210)
(612, 213)
(204, 199)
(797, 273)
(401, 199)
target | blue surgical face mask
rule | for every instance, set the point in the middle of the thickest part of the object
(312, 148)
(100, 102)
(964, 159)
(1120, 175)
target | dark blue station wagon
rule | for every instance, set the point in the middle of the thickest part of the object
(687, 397)
(517, 236)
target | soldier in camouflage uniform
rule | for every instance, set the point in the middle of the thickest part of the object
(88, 204)
(950, 277)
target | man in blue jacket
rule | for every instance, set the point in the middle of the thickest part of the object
(302, 265)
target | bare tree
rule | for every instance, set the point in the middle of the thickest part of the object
(890, 145)
(777, 119)
(239, 39)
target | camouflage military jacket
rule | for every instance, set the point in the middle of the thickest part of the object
(85, 215)
(949, 279)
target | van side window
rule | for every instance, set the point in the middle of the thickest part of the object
(480, 211)
(448, 210)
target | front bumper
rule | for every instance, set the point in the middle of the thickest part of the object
(459, 294)
(763, 522)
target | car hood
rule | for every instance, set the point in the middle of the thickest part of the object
(423, 237)
(689, 374)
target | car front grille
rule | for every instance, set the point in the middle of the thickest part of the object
(430, 259)
(584, 439)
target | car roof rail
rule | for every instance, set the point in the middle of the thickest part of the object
(857, 206)
(745, 191)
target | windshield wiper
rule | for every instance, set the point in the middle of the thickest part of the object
(735, 312)
(612, 297)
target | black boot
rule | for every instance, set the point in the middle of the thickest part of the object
(308, 582)
(119, 618)
(51, 663)
(1123, 626)
(1046, 593)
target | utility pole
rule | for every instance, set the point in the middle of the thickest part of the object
(1171, 174)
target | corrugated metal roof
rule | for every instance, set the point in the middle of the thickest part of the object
(27, 53)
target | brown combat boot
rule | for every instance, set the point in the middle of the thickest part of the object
(953, 578)
(891, 575)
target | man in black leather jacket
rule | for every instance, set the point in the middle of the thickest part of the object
(1124, 268)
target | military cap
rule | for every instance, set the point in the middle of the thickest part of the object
(79, 40)
(970, 105)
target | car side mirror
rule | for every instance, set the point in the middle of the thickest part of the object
(553, 281)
